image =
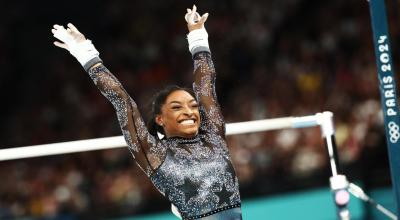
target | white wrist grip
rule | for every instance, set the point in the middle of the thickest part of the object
(197, 38)
(83, 51)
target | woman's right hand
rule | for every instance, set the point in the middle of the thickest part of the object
(75, 42)
(194, 20)
(69, 37)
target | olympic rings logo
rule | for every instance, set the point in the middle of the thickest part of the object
(394, 132)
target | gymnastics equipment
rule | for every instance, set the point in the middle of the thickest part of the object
(388, 92)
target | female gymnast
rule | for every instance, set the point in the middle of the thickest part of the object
(191, 166)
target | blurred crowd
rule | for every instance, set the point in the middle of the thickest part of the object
(273, 59)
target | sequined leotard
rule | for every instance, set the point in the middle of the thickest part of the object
(196, 174)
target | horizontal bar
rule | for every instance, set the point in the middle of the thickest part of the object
(118, 141)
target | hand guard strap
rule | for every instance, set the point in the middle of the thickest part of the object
(198, 41)
(83, 52)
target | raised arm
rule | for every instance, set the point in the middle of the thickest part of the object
(141, 144)
(204, 73)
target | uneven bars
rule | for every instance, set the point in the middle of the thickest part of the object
(118, 141)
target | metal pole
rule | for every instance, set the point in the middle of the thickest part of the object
(338, 183)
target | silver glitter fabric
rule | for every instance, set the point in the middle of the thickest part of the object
(195, 174)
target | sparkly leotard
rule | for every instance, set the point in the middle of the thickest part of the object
(195, 174)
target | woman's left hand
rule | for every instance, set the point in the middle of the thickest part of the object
(194, 20)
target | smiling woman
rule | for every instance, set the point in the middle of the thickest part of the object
(179, 115)
(171, 107)
(191, 167)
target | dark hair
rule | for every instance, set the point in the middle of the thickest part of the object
(157, 102)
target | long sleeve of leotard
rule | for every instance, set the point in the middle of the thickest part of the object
(143, 146)
(204, 88)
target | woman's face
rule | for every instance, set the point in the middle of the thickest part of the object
(179, 115)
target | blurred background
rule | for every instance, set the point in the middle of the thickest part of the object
(274, 58)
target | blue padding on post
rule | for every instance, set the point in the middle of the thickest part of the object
(387, 86)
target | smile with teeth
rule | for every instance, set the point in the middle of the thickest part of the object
(187, 122)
